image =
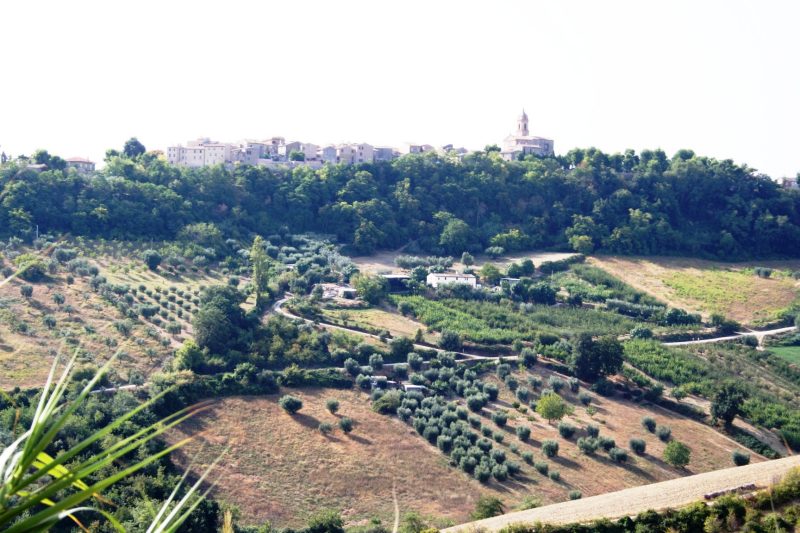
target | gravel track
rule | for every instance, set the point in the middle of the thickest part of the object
(629, 502)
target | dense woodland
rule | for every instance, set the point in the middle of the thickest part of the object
(586, 200)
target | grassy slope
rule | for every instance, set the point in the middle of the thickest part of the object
(25, 358)
(282, 469)
(790, 353)
(709, 286)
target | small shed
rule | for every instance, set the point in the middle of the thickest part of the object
(397, 282)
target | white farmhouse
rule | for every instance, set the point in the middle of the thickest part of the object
(436, 279)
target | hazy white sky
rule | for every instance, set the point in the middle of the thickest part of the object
(719, 77)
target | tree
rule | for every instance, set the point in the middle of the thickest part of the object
(455, 236)
(490, 274)
(325, 522)
(297, 155)
(332, 405)
(290, 404)
(677, 454)
(592, 360)
(346, 424)
(727, 402)
(58, 298)
(133, 148)
(370, 288)
(551, 407)
(487, 507)
(151, 258)
(26, 290)
(467, 259)
(450, 341)
(399, 347)
(260, 264)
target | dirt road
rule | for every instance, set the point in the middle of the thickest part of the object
(657, 496)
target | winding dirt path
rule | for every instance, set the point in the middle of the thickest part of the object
(657, 496)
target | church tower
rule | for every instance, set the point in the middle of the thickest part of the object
(522, 125)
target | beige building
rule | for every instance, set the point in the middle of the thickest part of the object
(81, 164)
(521, 143)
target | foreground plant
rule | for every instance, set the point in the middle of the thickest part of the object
(38, 490)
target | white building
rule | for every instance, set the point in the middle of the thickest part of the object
(522, 143)
(437, 279)
(81, 164)
(199, 153)
(786, 183)
(383, 153)
(364, 153)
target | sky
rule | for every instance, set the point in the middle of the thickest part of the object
(719, 77)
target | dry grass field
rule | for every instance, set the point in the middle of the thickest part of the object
(282, 469)
(707, 287)
(396, 324)
(383, 262)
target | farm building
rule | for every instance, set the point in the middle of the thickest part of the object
(436, 279)
(397, 282)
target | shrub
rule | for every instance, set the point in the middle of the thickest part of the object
(527, 456)
(663, 433)
(535, 381)
(585, 398)
(444, 443)
(677, 454)
(574, 495)
(566, 430)
(474, 421)
(513, 468)
(649, 423)
(541, 467)
(151, 258)
(606, 443)
(503, 370)
(325, 427)
(740, 458)
(550, 448)
(523, 433)
(346, 424)
(528, 357)
(500, 418)
(290, 404)
(523, 394)
(484, 444)
(592, 430)
(555, 475)
(352, 367)
(476, 402)
(574, 384)
(556, 383)
(414, 360)
(498, 437)
(498, 456)
(376, 361)
(486, 431)
(26, 290)
(511, 382)
(618, 455)
(486, 507)
(638, 446)
(603, 387)
(491, 390)
(482, 473)
(587, 445)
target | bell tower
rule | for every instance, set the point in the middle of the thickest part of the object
(522, 125)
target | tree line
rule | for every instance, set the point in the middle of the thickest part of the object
(586, 200)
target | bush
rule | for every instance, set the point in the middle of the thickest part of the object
(585, 398)
(498, 437)
(26, 290)
(414, 360)
(346, 424)
(290, 404)
(503, 370)
(649, 423)
(523, 394)
(603, 387)
(587, 445)
(551, 407)
(444, 443)
(325, 427)
(556, 383)
(677, 454)
(513, 468)
(351, 366)
(638, 446)
(487, 507)
(527, 457)
(575, 495)
(474, 421)
(498, 456)
(511, 382)
(550, 448)
(592, 430)
(450, 341)
(151, 258)
(555, 475)
(663, 433)
(566, 430)
(618, 455)
(740, 458)
(541, 467)
(535, 381)
(500, 418)
(606, 443)
(491, 390)
(482, 473)
(528, 357)
(523, 433)
(574, 384)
